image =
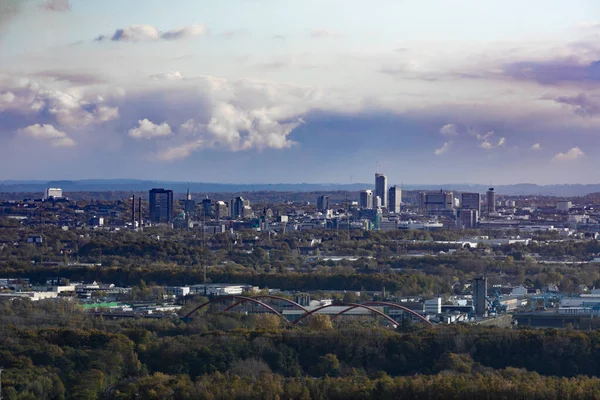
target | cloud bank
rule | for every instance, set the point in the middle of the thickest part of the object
(137, 33)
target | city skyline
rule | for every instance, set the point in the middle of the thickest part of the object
(492, 93)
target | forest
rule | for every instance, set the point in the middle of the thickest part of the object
(52, 350)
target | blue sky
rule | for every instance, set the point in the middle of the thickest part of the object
(434, 91)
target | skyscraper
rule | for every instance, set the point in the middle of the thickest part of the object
(161, 205)
(366, 199)
(220, 210)
(189, 205)
(381, 188)
(470, 201)
(237, 205)
(323, 203)
(395, 199)
(491, 201)
(206, 207)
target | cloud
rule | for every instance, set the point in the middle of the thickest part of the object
(74, 77)
(167, 76)
(49, 133)
(136, 33)
(444, 149)
(581, 104)
(536, 147)
(56, 5)
(180, 152)
(148, 130)
(185, 32)
(554, 71)
(323, 33)
(35, 101)
(449, 130)
(572, 154)
(487, 144)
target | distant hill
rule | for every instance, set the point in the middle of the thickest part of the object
(133, 185)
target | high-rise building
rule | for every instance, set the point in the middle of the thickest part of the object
(467, 218)
(479, 296)
(377, 203)
(220, 210)
(161, 205)
(236, 208)
(189, 206)
(206, 208)
(323, 203)
(395, 199)
(366, 199)
(53, 193)
(491, 201)
(381, 188)
(470, 201)
(436, 201)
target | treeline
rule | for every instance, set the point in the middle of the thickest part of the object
(400, 283)
(502, 385)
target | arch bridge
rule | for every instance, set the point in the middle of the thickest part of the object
(236, 301)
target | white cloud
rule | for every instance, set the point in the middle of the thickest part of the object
(136, 33)
(180, 152)
(536, 147)
(572, 154)
(486, 145)
(148, 130)
(72, 107)
(485, 136)
(449, 130)
(167, 76)
(501, 142)
(49, 133)
(444, 149)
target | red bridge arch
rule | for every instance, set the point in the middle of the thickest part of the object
(239, 298)
(399, 307)
(267, 296)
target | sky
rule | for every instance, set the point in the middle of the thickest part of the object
(287, 91)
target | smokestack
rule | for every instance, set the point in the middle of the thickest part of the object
(140, 212)
(133, 212)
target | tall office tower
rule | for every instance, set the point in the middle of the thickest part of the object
(395, 199)
(377, 202)
(323, 203)
(467, 218)
(471, 201)
(366, 199)
(236, 208)
(491, 201)
(189, 205)
(161, 205)
(220, 210)
(206, 207)
(381, 188)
